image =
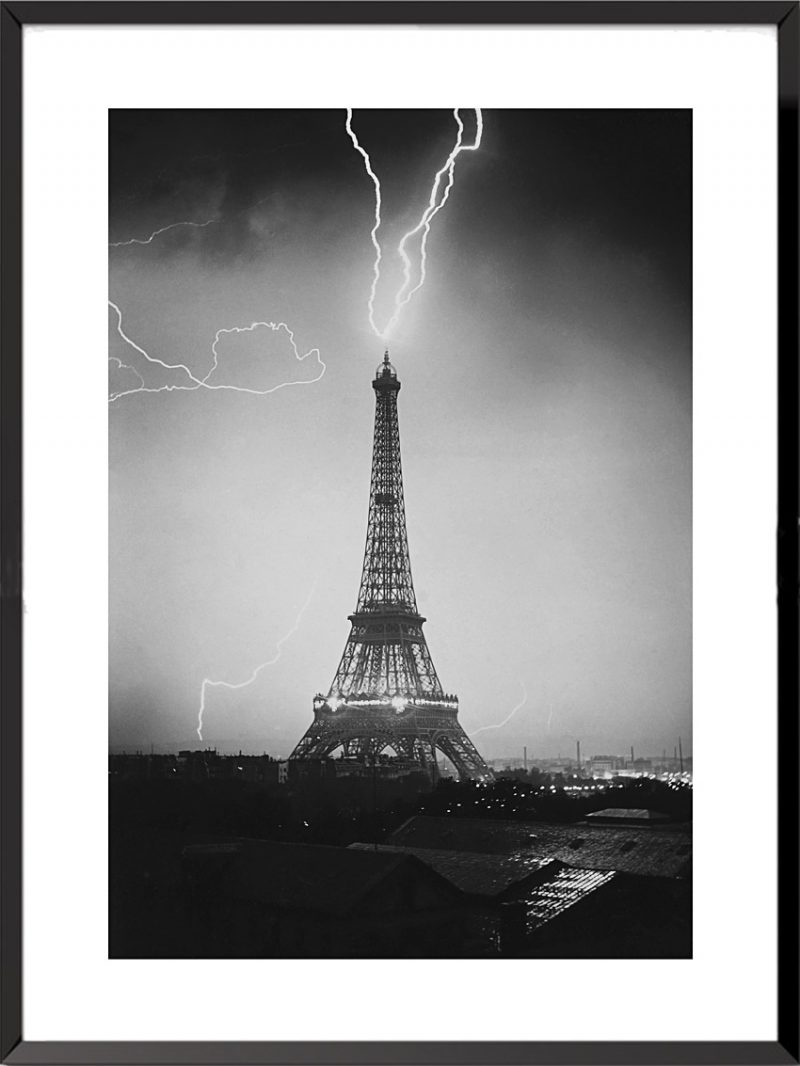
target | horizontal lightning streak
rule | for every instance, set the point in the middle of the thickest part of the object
(209, 683)
(203, 383)
(150, 359)
(194, 225)
(508, 718)
(126, 366)
(423, 226)
(158, 232)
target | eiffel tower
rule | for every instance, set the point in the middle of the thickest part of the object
(386, 692)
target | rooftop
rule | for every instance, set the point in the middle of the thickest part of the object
(631, 814)
(547, 888)
(477, 873)
(568, 887)
(646, 850)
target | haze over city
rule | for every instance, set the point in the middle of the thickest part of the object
(545, 420)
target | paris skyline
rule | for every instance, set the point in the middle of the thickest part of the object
(545, 421)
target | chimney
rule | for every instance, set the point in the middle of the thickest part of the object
(579, 753)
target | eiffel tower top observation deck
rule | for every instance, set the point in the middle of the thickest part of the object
(386, 692)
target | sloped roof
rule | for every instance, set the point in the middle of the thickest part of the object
(547, 888)
(477, 873)
(646, 850)
(489, 836)
(310, 877)
(635, 814)
(567, 887)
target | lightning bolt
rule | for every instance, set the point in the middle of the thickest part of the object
(508, 717)
(424, 225)
(203, 383)
(175, 225)
(376, 266)
(158, 232)
(436, 202)
(126, 366)
(209, 683)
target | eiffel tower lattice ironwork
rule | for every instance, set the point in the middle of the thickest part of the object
(386, 692)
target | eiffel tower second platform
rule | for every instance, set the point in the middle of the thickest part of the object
(386, 692)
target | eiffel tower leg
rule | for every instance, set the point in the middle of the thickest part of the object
(316, 743)
(463, 754)
(434, 764)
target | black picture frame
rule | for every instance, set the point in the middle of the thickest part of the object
(14, 17)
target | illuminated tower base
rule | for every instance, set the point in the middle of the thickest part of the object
(386, 692)
(365, 726)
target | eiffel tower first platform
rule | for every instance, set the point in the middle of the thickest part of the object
(386, 692)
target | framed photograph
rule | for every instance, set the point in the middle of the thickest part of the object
(400, 661)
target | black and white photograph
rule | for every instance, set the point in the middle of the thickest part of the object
(400, 533)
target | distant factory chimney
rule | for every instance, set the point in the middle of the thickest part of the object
(579, 753)
(525, 758)
(631, 752)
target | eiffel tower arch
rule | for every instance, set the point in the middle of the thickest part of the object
(386, 692)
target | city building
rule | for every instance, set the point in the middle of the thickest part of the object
(262, 899)
(650, 850)
(608, 891)
(510, 903)
(606, 765)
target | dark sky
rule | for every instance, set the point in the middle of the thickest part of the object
(545, 418)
